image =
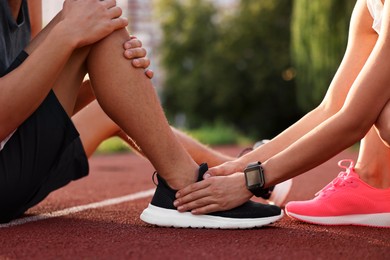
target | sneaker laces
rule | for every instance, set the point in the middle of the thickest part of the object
(342, 178)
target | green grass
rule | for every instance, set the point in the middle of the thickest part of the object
(210, 135)
(113, 145)
(218, 135)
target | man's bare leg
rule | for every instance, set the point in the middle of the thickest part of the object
(128, 97)
(199, 152)
(95, 127)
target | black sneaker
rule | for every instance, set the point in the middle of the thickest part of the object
(162, 212)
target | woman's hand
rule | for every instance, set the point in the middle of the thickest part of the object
(225, 169)
(137, 54)
(213, 194)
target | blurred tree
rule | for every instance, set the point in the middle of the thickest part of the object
(189, 33)
(254, 82)
(235, 70)
(319, 38)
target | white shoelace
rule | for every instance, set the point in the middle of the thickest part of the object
(341, 179)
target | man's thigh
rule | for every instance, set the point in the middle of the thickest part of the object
(44, 154)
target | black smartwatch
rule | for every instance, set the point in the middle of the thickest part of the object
(254, 179)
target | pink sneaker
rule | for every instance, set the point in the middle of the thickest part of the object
(347, 200)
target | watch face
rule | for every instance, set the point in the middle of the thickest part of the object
(253, 177)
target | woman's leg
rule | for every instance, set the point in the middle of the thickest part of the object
(373, 164)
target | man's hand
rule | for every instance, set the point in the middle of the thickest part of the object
(214, 194)
(89, 21)
(137, 54)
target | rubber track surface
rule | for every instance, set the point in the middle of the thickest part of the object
(116, 232)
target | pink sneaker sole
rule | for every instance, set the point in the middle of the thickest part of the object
(347, 200)
(381, 220)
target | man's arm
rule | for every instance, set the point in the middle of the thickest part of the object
(35, 11)
(80, 24)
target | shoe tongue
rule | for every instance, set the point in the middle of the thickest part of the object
(352, 173)
(203, 168)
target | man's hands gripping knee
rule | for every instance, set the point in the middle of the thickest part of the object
(89, 21)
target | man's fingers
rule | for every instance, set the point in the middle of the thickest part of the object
(119, 23)
(136, 53)
(132, 43)
(149, 73)
(141, 63)
(108, 3)
(115, 12)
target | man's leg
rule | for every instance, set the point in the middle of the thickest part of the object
(200, 152)
(95, 127)
(128, 97)
(85, 97)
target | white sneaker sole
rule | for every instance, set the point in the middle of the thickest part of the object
(371, 220)
(173, 218)
(280, 192)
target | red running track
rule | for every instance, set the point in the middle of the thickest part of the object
(115, 231)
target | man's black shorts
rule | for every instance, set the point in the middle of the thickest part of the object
(44, 154)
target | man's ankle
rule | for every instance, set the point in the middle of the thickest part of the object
(183, 181)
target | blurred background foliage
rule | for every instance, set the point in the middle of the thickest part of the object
(256, 70)
(234, 78)
(319, 37)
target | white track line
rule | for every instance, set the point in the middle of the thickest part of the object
(72, 210)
